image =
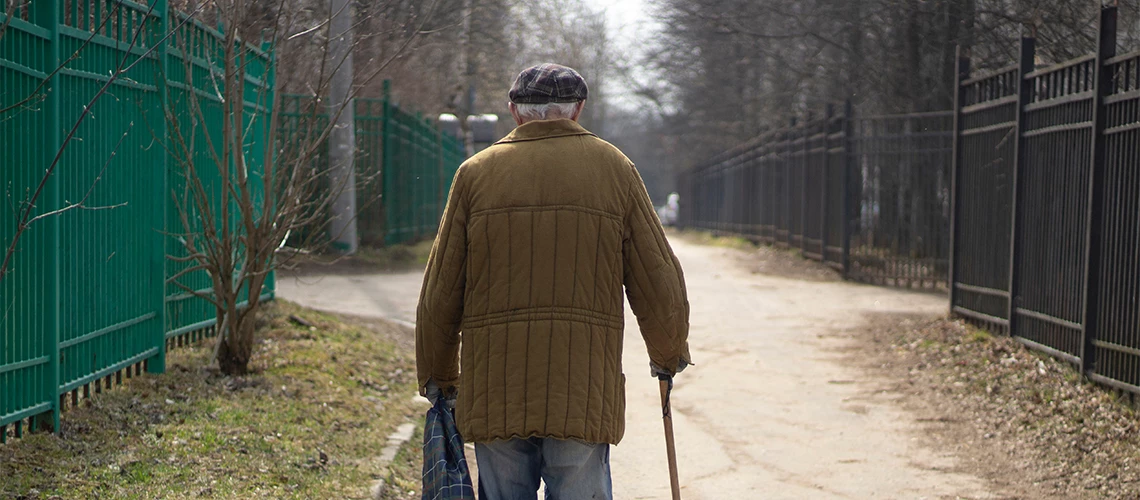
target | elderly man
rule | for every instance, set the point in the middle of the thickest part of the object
(541, 232)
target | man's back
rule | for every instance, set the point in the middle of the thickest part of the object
(548, 205)
(542, 231)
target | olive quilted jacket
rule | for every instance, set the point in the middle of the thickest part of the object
(541, 232)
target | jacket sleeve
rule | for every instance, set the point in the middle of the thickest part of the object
(654, 281)
(440, 309)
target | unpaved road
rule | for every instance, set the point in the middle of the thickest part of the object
(770, 411)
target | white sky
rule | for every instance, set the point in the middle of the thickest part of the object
(628, 21)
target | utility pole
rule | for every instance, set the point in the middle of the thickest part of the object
(342, 139)
(465, 65)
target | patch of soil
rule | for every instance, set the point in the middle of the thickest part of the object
(761, 258)
(1022, 420)
(785, 263)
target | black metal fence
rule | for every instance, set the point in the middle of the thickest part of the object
(869, 196)
(902, 164)
(777, 189)
(1025, 198)
(1046, 224)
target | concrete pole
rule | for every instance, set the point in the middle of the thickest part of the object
(342, 139)
(465, 65)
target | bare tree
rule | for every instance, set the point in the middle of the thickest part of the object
(568, 33)
(9, 13)
(238, 205)
(736, 67)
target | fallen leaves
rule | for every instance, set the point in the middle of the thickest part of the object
(1056, 431)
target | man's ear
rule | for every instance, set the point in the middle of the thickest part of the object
(515, 113)
(578, 110)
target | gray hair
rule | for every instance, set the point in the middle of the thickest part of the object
(548, 111)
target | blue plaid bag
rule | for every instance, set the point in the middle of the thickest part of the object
(446, 476)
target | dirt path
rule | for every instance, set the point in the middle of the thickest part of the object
(769, 412)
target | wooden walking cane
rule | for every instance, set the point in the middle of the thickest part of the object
(670, 446)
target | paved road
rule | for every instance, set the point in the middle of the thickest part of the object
(768, 412)
(388, 296)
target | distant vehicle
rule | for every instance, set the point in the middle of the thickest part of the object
(668, 212)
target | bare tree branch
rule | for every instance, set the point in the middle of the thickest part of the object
(26, 217)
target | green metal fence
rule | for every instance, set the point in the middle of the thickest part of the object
(404, 165)
(86, 300)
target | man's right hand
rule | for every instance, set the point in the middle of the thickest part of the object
(656, 371)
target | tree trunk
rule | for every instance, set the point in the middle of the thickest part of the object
(237, 328)
(235, 346)
(915, 93)
(856, 61)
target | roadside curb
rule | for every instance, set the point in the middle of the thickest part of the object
(396, 440)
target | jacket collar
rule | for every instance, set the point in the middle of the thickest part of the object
(544, 129)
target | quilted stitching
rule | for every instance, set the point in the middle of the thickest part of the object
(541, 234)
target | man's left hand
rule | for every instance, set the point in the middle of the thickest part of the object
(432, 392)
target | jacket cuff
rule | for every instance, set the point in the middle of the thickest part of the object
(446, 385)
(673, 363)
(688, 358)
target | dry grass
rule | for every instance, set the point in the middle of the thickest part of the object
(762, 259)
(708, 238)
(390, 259)
(1023, 420)
(306, 423)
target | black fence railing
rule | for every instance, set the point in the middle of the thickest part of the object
(1047, 219)
(983, 194)
(868, 196)
(1025, 198)
(902, 165)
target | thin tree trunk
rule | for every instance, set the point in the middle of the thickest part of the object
(235, 345)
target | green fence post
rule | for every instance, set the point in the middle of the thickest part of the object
(418, 153)
(46, 14)
(423, 176)
(270, 81)
(417, 173)
(441, 194)
(157, 363)
(431, 170)
(415, 132)
(386, 162)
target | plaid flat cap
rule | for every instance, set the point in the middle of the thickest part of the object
(547, 83)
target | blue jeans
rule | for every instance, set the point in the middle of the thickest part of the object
(510, 469)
